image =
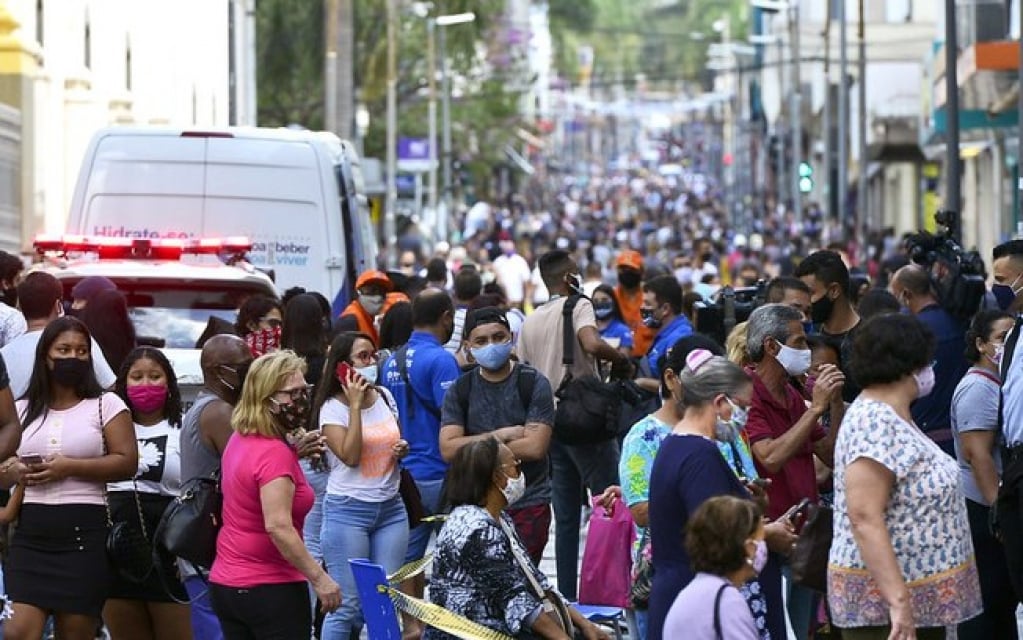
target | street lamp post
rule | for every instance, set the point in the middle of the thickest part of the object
(446, 21)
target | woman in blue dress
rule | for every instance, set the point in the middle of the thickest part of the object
(612, 327)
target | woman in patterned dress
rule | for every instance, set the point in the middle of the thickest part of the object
(902, 563)
(475, 571)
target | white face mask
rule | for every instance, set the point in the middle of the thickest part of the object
(372, 304)
(796, 362)
(369, 373)
(924, 381)
(515, 488)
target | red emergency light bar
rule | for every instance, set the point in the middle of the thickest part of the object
(141, 248)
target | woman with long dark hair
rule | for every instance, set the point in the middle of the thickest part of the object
(304, 331)
(76, 439)
(148, 385)
(107, 319)
(610, 323)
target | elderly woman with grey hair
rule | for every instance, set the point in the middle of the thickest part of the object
(785, 434)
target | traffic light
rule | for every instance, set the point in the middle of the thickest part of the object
(805, 177)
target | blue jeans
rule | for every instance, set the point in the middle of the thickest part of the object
(352, 528)
(205, 624)
(317, 479)
(419, 538)
(573, 468)
(801, 605)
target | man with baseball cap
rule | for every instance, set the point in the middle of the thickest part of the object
(630, 298)
(360, 314)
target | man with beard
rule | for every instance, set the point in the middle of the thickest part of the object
(12, 323)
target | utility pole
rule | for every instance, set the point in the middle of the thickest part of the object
(796, 103)
(862, 198)
(339, 79)
(431, 54)
(390, 223)
(1019, 128)
(953, 200)
(843, 112)
(829, 148)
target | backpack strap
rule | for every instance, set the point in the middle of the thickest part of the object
(463, 389)
(1007, 354)
(568, 332)
(525, 379)
(717, 612)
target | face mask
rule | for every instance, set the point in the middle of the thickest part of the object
(796, 362)
(729, 430)
(369, 373)
(603, 310)
(371, 303)
(515, 488)
(1005, 294)
(493, 356)
(629, 278)
(650, 320)
(999, 352)
(235, 389)
(759, 559)
(575, 283)
(924, 381)
(820, 311)
(69, 372)
(147, 398)
(295, 414)
(707, 256)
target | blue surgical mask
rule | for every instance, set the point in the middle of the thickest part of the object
(603, 310)
(493, 356)
(1005, 294)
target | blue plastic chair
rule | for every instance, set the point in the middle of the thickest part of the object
(611, 616)
(377, 609)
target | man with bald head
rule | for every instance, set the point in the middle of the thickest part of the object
(205, 430)
(912, 287)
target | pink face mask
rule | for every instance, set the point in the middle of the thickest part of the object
(147, 398)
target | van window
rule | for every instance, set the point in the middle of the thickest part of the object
(165, 309)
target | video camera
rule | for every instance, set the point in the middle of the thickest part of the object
(958, 275)
(730, 307)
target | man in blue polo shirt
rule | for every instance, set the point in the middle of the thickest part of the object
(418, 375)
(662, 311)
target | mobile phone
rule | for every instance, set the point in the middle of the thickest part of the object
(344, 370)
(795, 511)
(31, 458)
(763, 483)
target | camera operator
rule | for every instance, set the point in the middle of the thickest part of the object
(831, 310)
(912, 287)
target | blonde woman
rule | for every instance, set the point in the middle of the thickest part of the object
(258, 581)
(735, 345)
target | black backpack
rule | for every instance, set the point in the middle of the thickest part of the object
(525, 379)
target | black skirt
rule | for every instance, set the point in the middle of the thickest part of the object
(58, 560)
(153, 589)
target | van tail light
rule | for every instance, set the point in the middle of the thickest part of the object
(206, 134)
(230, 249)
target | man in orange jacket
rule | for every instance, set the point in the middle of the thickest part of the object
(371, 287)
(630, 298)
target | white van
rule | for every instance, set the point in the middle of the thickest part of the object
(296, 194)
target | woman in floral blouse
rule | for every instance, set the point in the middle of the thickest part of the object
(902, 563)
(475, 571)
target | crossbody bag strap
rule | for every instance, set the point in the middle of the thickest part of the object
(717, 612)
(523, 562)
(568, 332)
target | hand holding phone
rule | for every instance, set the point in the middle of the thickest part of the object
(31, 459)
(343, 372)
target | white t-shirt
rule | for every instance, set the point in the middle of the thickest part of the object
(20, 356)
(376, 478)
(159, 461)
(512, 274)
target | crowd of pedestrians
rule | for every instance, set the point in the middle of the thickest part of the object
(440, 387)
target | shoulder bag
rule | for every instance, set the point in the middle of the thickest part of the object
(189, 526)
(553, 604)
(407, 487)
(809, 558)
(588, 408)
(128, 544)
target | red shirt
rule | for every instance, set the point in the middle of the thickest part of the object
(769, 419)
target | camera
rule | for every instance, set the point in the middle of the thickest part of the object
(958, 275)
(730, 307)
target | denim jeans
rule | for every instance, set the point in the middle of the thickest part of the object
(419, 538)
(317, 479)
(801, 604)
(573, 469)
(352, 528)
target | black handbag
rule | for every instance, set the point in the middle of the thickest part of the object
(128, 545)
(588, 408)
(189, 525)
(809, 558)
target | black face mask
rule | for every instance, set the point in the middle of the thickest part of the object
(629, 278)
(70, 372)
(295, 415)
(821, 310)
(235, 390)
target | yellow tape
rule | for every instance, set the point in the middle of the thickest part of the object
(411, 569)
(440, 618)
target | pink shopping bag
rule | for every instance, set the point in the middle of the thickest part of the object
(607, 559)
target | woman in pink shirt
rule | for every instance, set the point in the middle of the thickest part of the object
(76, 439)
(258, 580)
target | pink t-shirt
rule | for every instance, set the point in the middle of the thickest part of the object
(246, 555)
(74, 433)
